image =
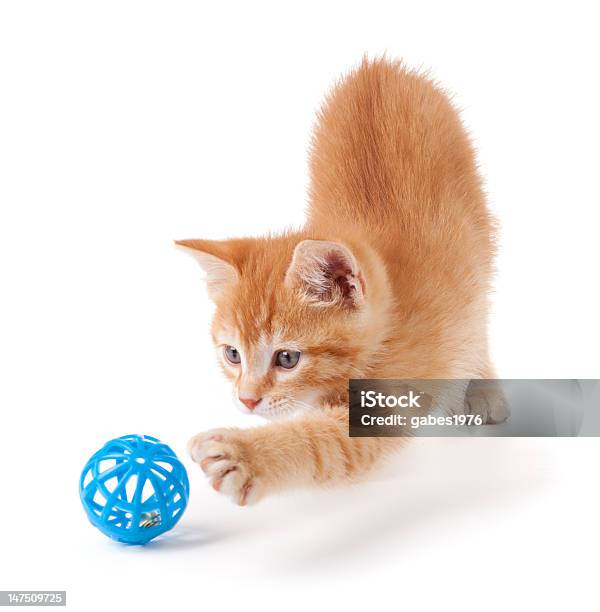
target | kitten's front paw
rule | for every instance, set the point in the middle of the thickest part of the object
(486, 399)
(223, 456)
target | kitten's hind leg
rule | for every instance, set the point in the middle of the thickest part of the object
(485, 398)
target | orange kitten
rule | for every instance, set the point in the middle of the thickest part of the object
(389, 279)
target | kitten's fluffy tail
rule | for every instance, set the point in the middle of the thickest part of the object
(389, 148)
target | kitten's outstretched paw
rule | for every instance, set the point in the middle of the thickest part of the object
(223, 457)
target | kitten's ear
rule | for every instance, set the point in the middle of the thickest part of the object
(215, 258)
(326, 273)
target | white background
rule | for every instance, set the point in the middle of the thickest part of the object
(126, 125)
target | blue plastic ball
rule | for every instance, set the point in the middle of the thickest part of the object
(134, 488)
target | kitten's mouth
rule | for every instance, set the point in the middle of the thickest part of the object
(274, 408)
(262, 408)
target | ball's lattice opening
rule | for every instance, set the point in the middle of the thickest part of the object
(134, 488)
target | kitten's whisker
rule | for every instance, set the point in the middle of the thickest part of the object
(301, 404)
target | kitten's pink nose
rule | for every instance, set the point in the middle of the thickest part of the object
(250, 403)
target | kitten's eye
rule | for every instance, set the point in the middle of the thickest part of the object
(287, 359)
(232, 355)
